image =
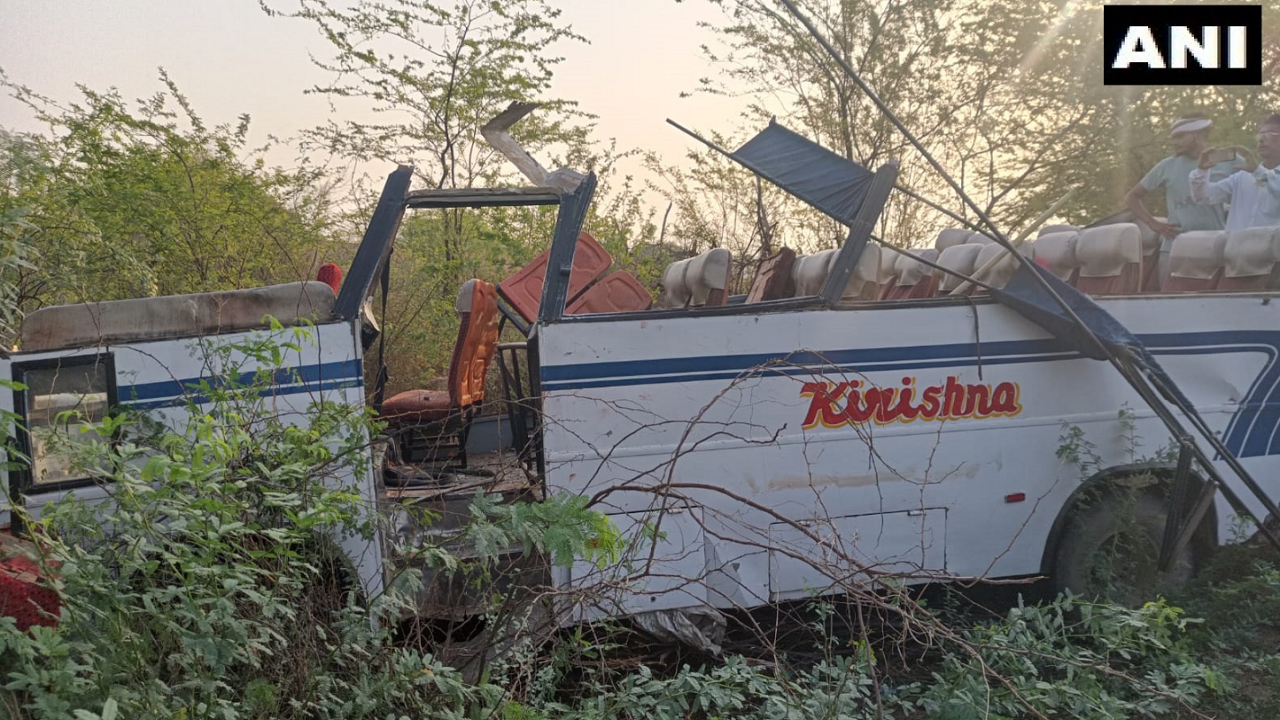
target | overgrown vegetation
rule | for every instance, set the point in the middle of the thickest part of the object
(213, 584)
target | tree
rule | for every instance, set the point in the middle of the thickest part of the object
(122, 203)
(437, 71)
(1008, 96)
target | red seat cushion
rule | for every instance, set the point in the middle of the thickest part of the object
(617, 292)
(413, 406)
(523, 290)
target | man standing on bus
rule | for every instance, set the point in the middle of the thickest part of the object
(1190, 136)
(1253, 191)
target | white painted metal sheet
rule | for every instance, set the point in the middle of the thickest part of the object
(821, 556)
(662, 567)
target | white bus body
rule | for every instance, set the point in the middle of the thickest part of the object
(735, 407)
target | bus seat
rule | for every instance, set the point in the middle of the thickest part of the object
(1196, 261)
(866, 274)
(1056, 252)
(999, 274)
(949, 237)
(473, 351)
(961, 259)
(887, 275)
(698, 281)
(1056, 228)
(913, 277)
(523, 289)
(1252, 260)
(1110, 259)
(617, 292)
(810, 273)
(773, 278)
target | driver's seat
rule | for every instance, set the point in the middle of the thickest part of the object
(448, 412)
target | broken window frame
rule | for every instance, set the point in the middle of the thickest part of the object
(22, 478)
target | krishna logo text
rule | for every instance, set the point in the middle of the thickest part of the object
(836, 404)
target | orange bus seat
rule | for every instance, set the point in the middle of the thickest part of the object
(617, 292)
(523, 290)
(473, 351)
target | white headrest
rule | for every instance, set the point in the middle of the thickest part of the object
(999, 274)
(1252, 252)
(910, 270)
(1057, 251)
(1050, 229)
(951, 236)
(1104, 251)
(810, 272)
(1198, 254)
(688, 282)
(465, 295)
(888, 265)
(960, 258)
(977, 238)
(867, 270)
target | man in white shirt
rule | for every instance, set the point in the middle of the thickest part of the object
(1254, 190)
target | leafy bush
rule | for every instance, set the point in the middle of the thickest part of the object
(1072, 659)
(210, 585)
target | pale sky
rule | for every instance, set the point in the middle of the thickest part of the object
(229, 58)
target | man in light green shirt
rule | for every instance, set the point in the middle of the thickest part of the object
(1190, 137)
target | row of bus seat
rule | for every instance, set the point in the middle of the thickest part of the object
(1225, 262)
(1119, 259)
(703, 281)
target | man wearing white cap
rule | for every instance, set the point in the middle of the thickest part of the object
(1190, 136)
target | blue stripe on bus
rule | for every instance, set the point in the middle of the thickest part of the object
(1251, 432)
(272, 391)
(285, 376)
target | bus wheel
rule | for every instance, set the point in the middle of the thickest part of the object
(1110, 547)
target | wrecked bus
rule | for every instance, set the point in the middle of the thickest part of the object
(862, 415)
